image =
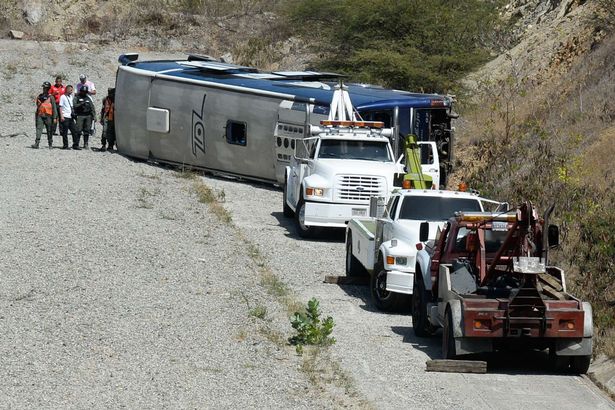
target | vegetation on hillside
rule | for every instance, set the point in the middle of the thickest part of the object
(554, 144)
(413, 45)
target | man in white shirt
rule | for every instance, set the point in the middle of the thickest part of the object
(66, 118)
(83, 80)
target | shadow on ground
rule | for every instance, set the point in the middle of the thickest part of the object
(333, 235)
(509, 362)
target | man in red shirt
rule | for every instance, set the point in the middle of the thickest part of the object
(57, 90)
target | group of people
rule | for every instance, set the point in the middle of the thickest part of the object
(74, 112)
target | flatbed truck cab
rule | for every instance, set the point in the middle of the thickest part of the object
(385, 246)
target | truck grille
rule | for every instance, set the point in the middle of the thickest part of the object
(359, 187)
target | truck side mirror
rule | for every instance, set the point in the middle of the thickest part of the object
(424, 232)
(300, 160)
(553, 236)
(503, 207)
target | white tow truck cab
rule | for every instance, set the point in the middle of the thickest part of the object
(344, 163)
(336, 172)
(385, 247)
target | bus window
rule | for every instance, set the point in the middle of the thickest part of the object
(384, 116)
(236, 133)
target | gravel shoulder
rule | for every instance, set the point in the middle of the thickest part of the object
(120, 289)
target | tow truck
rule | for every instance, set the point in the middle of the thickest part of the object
(344, 163)
(486, 281)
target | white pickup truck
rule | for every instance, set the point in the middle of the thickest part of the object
(334, 174)
(386, 247)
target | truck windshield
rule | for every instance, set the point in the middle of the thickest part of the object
(432, 209)
(361, 150)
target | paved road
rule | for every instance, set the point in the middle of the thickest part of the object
(380, 350)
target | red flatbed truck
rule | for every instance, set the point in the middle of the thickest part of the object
(487, 283)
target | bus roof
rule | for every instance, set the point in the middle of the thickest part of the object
(318, 86)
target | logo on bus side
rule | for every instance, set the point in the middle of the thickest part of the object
(198, 130)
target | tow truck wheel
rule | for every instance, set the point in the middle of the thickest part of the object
(385, 300)
(303, 230)
(288, 212)
(449, 350)
(580, 364)
(353, 266)
(420, 321)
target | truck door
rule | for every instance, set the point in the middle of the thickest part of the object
(389, 216)
(430, 162)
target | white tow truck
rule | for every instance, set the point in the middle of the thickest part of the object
(385, 247)
(336, 171)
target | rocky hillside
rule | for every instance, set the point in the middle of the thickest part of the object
(548, 135)
(247, 32)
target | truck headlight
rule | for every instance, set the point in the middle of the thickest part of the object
(314, 191)
(397, 260)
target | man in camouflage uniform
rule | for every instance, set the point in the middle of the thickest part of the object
(85, 112)
(46, 115)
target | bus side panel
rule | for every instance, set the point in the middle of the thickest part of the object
(259, 113)
(131, 95)
(177, 145)
(197, 134)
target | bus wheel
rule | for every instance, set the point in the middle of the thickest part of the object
(580, 364)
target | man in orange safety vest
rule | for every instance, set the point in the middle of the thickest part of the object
(46, 115)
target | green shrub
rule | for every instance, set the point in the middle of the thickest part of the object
(310, 329)
(402, 44)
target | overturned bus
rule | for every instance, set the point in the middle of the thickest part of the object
(236, 120)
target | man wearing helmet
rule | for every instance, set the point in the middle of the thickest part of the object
(85, 113)
(46, 115)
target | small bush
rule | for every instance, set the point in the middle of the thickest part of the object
(310, 329)
(259, 312)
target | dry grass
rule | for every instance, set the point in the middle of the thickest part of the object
(208, 196)
(146, 196)
(553, 143)
(324, 372)
(154, 177)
